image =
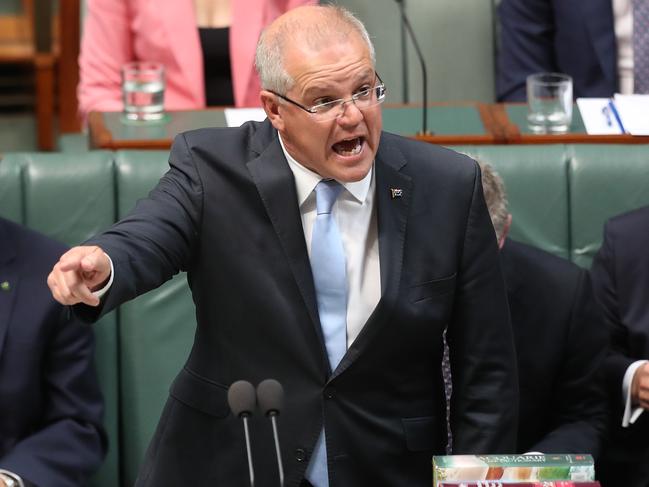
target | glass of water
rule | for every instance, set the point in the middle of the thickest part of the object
(143, 85)
(549, 101)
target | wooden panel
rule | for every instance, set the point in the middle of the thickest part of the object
(68, 67)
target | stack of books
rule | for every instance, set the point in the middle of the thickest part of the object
(562, 470)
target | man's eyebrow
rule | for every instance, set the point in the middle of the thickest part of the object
(324, 88)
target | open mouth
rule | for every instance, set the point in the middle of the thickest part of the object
(349, 147)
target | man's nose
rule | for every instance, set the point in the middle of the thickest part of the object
(351, 114)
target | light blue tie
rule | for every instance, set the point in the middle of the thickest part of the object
(329, 277)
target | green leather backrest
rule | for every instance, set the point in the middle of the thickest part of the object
(156, 330)
(11, 197)
(537, 190)
(605, 180)
(70, 199)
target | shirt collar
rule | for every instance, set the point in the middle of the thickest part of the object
(306, 180)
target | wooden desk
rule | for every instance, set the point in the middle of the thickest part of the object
(450, 123)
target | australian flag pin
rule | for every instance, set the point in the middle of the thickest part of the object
(396, 192)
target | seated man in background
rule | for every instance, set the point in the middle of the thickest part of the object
(50, 403)
(602, 44)
(560, 341)
(621, 280)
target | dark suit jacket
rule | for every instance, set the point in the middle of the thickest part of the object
(560, 341)
(50, 404)
(621, 277)
(227, 213)
(575, 37)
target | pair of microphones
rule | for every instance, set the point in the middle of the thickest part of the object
(243, 401)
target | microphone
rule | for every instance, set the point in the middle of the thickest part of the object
(242, 400)
(270, 395)
(424, 72)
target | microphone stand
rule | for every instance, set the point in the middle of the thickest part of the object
(420, 56)
(404, 54)
(273, 420)
(251, 471)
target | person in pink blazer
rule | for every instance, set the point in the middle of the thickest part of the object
(119, 31)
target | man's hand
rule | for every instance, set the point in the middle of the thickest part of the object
(79, 272)
(640, 387)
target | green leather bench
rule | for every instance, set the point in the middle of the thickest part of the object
(559, 196)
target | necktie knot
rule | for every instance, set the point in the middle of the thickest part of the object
(326, 192)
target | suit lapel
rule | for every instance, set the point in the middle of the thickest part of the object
(392, 217)
(276, 185)
(598, 16)
(8, 274)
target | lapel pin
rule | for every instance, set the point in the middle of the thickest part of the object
(396, 192)
(5, 286)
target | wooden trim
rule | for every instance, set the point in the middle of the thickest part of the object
(68, 67)
(99, 137)
(44, 69)
(456, 139)
(579, 139)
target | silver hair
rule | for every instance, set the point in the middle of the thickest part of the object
(495, 197)
(269, 57)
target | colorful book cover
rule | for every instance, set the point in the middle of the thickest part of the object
(513, 467)
(541, 483)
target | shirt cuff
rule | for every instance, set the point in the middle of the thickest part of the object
(100, 292)
(12, 476)
(631, 414)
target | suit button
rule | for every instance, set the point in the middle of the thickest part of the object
(300, 455)
(330, 393)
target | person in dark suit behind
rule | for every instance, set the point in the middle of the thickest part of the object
(620, 273)
(50, 404)
(569, 36)
(325, 254)
(560, 341)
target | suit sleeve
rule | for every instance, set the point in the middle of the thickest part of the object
(105, 46)
(156, 240)
(526, 45)
(580, 403)
(604, 276)
(484, 402)
(68, 443)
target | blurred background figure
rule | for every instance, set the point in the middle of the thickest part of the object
(50, 404)
(621, 278)
(560, 339)
(206, 46)
(602, 44)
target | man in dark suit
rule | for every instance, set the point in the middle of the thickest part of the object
(238, 210)
(621, 278)
(560, 341)
(50, 404)
(575, 37)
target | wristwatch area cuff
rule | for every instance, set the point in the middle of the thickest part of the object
(11, 479)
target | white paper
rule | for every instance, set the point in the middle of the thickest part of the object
(634, 112)
(235, 117)
(596, 116)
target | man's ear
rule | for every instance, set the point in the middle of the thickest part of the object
(506, 227)
(270, 104)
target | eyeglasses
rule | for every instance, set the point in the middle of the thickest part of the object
(330, 110)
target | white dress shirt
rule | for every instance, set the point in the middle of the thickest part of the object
(630, 414)
(623, 26)
(355, 214)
